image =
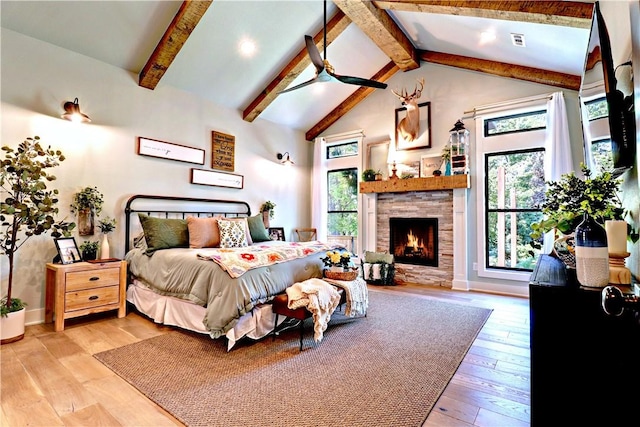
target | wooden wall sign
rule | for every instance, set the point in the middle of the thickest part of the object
(223, 148)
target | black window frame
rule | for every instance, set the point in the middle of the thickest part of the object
(512, 116)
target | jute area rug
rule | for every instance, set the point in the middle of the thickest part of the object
(386, 369)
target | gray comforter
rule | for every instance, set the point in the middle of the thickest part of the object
(180, 273)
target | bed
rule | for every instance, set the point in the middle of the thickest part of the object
(181, 276)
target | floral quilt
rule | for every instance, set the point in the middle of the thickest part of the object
(237, 261)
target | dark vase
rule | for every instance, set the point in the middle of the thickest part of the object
(592, 253)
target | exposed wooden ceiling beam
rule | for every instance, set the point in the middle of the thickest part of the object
(382, 30)
(172, 41)
(565, 13)
(502, 69)
(354, 99)
(336, 25)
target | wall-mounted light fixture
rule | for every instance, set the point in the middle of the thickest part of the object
(285, 159)
(73, 114)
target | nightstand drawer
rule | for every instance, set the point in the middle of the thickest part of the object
(89, 279)
(91, 298)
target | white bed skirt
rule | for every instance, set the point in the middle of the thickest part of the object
(187, 315)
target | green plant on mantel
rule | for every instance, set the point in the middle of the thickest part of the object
(570, 198)
(28, 208)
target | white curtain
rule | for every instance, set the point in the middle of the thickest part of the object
(557, 154)
(319, 190)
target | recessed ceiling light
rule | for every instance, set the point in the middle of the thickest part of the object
(247, 48)
(487, 37)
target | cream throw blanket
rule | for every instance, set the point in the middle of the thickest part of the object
(356, 296)
(319, 297)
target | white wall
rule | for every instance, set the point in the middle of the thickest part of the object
(38, 77)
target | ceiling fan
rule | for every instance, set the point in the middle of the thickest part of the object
(324, 70)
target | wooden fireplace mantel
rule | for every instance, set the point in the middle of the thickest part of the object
(433, 183)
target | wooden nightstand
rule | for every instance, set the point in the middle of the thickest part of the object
(83, 288)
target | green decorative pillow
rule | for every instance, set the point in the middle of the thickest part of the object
(232, 234)
(257, 229)
(164, 233)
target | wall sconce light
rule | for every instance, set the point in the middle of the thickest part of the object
(73, 114)
(285, 159)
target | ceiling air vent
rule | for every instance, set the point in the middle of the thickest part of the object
(517, 39)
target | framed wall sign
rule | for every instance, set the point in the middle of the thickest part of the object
(68, 250)
(167, 150)
(423, 138)
(216, 179)
(223, 151)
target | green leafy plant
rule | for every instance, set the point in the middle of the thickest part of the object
(87, 198)
(89, 249)
(567, 200)
(268, 206)
(368, 175)
(29, 207)
(107, 225)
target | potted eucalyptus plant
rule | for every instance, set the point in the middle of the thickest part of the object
(106, 226)
(87, 203)
(267, 210)
(27, 210)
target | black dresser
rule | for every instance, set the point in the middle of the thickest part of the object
(585, 364)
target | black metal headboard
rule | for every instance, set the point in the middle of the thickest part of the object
(178, 207)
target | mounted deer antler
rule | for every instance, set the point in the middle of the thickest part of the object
(409, 126)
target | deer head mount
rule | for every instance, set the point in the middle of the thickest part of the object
(409, 126)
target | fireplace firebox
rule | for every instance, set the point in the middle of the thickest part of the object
(414, 240)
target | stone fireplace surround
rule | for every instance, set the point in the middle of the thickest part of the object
(419, 204)
(444, 198)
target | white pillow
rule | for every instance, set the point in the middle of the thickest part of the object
(232, 234)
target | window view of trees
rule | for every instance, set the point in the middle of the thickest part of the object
(515, 184)
(597, 108)
(342, 150)
(515, 123)
(342, 189)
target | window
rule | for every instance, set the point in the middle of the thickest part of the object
(514, 185)
(342, 150)
(342, 214)
(602, 155)
(515, 123)
(510, 165)
(597, 108)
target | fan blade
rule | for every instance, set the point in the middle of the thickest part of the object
(360, 82)
(314, 54)
(308, 82)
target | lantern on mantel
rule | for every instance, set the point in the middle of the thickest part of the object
(459, 149)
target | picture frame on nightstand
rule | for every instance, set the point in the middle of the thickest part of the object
(68, 250)
(277, 233)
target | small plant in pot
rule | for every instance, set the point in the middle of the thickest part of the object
(267, 210)
(27, 210)
(89, 250)
(87, 203)
(369, 175)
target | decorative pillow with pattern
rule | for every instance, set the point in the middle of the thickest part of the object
(232, 234)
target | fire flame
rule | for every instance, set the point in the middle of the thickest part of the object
(412, 240)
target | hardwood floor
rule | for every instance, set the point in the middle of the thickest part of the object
(51, 379)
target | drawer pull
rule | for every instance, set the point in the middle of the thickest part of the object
(94, 278)
(93, 297)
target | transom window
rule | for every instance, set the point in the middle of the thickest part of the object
(342, 150)
(515, 123)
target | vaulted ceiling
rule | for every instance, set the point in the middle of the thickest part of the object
(192, 45)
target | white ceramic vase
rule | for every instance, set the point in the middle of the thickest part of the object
(104, 247)
(12, 326)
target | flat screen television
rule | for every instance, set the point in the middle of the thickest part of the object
(600, 69)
